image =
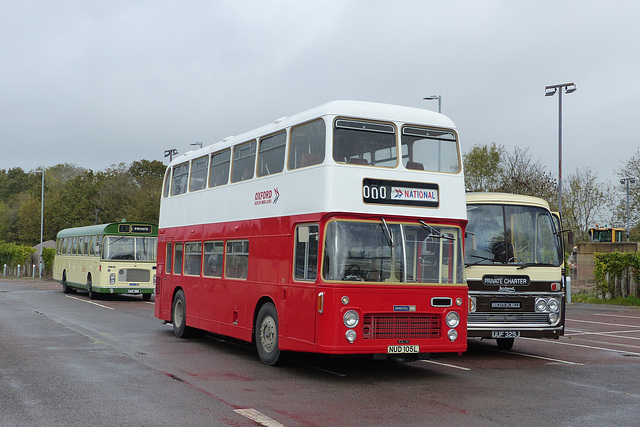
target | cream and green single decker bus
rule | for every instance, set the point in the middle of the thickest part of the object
(116, 258)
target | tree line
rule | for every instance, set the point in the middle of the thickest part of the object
(586, 201)
(75, 196)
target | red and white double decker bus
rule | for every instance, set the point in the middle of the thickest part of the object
(338, 231)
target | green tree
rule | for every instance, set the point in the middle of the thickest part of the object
(482, 167)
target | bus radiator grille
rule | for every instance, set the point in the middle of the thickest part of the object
(401, 326)
(134, 275)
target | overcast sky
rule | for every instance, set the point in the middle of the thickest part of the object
(96, 83)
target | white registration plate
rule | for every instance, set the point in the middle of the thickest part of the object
(505, 334)
(400, 349)
(133, 291)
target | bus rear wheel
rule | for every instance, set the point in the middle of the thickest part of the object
(179, 315)
(266, 334)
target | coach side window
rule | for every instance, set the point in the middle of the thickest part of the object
(271, 154)
(244, 161)
(180, 179)
(307, 144)
(220, 162)
(198, 179)
(167, 182)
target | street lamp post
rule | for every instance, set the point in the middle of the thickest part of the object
(433, 97)
(199, 144)
(550, 91)
(628, 181)
(170, 153)
(41, 221)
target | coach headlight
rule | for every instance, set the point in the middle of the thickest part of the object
(452, 334)
(553, 305)
(351, 319)
(452, 319)
(472, 304)
(541, 305)
(553, 318)
(112, 279)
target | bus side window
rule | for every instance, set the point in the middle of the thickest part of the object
(192, 258)
(219, 173)
(306, 252)
(271, 154)
(167, 262)
(180, 179)
(198, 178)
(307, 145)
(244, 161)
(177, 258)
(237, 260)
(167, 182)
(213, 259)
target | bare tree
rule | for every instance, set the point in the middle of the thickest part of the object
(584, 201)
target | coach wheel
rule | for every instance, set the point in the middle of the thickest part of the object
(92, 294)
(266, 334)
(146, 297)
(505, 343)
(179, 315)
(65, 288)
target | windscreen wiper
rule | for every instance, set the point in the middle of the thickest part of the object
(387, 232)
(435, 233)
(535, 264)
(482, 258)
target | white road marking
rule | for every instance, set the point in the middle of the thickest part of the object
(258, 417)
(90, 302)
(462, 368)
(540, 357)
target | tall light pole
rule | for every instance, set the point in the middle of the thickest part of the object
(41, 221)
(627, 181)
(199, 144)
(550, 91)
(433, 97)
(170, 153)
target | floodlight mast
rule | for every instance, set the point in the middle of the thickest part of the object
(550, 91)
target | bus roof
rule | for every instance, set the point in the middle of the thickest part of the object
(506, 198)
(111, 228)
(360, 109)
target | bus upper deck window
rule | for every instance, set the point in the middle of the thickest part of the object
(365, 143)
(428, 149)
(271, 154)
(219, 173)
(307, 144)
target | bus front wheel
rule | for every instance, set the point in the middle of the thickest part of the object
(179, 315)
(266, 334)
(66, 288)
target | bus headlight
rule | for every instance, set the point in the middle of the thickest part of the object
(472, 304)
(351, 335)
(452, 319)
(112, 279)
(553, 305)
(351, 319)
(553, 318)
(452, 334)
(541, 305)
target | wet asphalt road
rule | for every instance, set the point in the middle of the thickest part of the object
(67, 360)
